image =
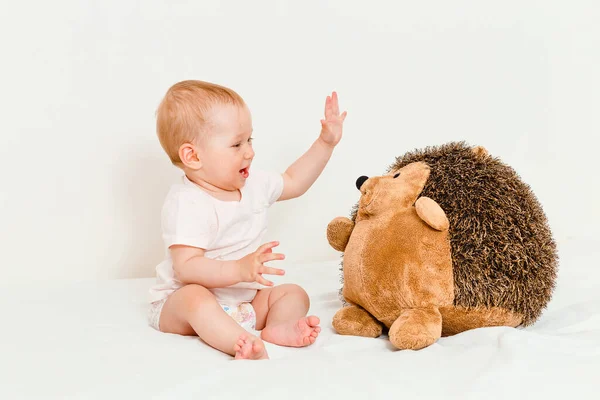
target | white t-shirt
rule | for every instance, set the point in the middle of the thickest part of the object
(227, 230)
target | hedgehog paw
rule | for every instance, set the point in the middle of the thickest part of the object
(416, 328)
(356, 321)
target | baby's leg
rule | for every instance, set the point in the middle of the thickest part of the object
(193, 310)
(281, 314)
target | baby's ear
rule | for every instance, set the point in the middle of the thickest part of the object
(189, 156)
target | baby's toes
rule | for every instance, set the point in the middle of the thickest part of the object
(247, 350)
(241, 347)
(239, 354)
(313, 320)
(238, 346)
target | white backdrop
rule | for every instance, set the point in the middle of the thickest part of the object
(82, 176)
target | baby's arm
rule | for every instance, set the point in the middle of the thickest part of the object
(300, 176)
(191, 266)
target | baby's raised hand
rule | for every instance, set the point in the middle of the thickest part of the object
(331, 126)
(252, 266)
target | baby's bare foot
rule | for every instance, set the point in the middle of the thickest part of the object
(250, 347)
(300, 333)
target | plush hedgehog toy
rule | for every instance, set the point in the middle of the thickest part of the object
(450, 239)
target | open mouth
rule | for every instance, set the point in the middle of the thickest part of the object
(245, 172)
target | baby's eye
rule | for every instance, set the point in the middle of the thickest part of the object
(237, 145)
(250, 140)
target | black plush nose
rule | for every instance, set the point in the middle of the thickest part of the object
(360, 181)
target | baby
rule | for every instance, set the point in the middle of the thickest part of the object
(212, 282)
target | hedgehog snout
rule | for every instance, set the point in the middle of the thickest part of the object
(360, 181)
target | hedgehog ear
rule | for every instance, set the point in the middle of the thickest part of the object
(480, 151)
(431, 213)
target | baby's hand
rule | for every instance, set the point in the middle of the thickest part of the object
(331, 126)
(252, 268)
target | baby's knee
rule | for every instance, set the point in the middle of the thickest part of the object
(298, 292)
(197, 296)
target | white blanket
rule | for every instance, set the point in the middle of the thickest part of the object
(91, 340)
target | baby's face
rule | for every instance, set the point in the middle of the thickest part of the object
(227, 153)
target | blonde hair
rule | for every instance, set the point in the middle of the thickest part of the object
(183, 113)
